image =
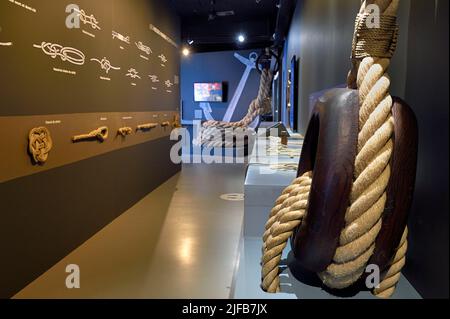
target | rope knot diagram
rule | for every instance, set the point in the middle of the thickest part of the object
(40, 144)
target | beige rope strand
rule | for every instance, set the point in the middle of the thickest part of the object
(368, 195)
(372, 170)
(389, 283)
(280, 227)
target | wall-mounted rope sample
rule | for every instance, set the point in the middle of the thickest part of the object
(147, 126)
(210, 133)
(100, 134)
(62, 127)
(124, 131)
(284, 167)
(176, 121)
(165, 124)
(40, 144)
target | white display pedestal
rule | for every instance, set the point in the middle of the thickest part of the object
(262, 187)
(248, 280)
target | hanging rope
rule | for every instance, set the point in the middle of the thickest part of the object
(288, 213)
(213, 133)
(363, 217)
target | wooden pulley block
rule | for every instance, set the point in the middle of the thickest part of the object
(176, 121)
(124, 131)
(329, 151)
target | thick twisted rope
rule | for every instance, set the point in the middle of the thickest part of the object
(212, 133)
(363, 218)
(290, 209)
(387, 286)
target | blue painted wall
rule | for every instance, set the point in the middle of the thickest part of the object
(217, 67)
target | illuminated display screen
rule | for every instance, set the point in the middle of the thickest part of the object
(208, 92)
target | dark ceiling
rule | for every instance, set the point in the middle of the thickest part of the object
(203, 21)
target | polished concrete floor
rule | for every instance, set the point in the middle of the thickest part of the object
(180, 241)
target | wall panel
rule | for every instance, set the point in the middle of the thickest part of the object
(47, 211)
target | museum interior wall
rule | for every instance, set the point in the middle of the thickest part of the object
(119, 70)
(427, 93)
(320, 37)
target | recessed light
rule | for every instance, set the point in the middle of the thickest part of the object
(241, 38)
(186, 52)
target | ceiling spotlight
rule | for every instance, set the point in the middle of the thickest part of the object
(186, 52)
(241, 38)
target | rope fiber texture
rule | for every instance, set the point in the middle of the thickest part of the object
(40, 144)
(101, 134)
(363, 218)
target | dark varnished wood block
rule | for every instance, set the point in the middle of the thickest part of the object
(400, 189)
(329, 151)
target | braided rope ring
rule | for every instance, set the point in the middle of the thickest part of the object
(39, 144)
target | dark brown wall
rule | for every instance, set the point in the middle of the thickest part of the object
(30, 87)
(47, 214)
(427, 93)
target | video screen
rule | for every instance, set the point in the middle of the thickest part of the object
(208, 92)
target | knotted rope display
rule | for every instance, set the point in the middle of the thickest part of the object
(372, 170)
(124, 131)
(176, 121)
(39, 144)
(100, 134)
(213, 133)
(147, 126)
